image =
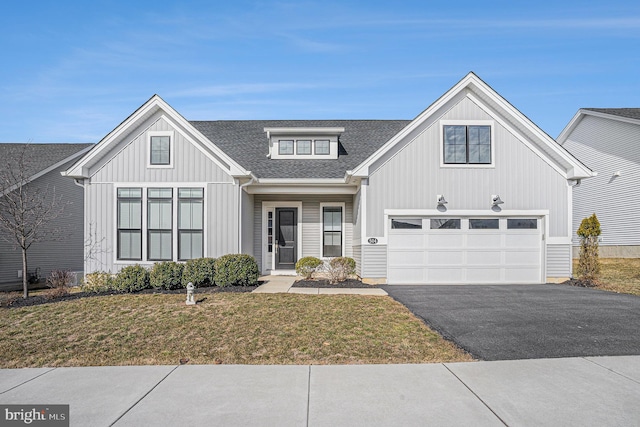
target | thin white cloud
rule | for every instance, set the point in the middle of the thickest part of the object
(241, 89)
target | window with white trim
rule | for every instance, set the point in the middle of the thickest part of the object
(190, 223)
(467, 144)
(332, 231)
(160, 150)
(129, 224)
(159, 224)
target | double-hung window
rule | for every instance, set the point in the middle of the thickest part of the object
(190, 223)
(130, 223)
(467, 144)
(332, 231)
(159, 223)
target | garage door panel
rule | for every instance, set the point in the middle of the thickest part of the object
(449, 258)
(406, 257)
(502, 255)
(484, 240)
(484, 274)
(407, 275)
(484, 257)
(444, 275)
(442, 240)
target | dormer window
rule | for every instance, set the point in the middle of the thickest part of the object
(303, 147)
(303, 143)
(285, 147)
(323, 147)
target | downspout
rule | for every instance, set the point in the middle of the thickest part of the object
(251, 181)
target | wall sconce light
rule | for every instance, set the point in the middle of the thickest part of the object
(616, 174)
(495, 200)
(441, 200)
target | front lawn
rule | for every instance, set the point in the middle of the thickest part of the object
(224, 328)
(619, 275)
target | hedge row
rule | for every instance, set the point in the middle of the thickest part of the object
(228, 270)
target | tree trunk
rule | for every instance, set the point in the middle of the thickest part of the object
(25, 275)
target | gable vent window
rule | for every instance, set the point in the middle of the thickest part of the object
(467, 145)
(160, 150)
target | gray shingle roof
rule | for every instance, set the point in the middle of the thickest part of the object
(246, 142)
(38, 156)
(630, 113)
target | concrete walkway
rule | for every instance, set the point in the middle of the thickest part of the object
(282, 284)
(592, 391)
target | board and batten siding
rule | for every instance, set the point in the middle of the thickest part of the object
(413, 178)
(62, 253)
(309, 219)
(608, 146)
(190, 164)
(128, 168)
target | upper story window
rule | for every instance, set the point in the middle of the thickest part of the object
(467, 144)
(303, 143)
(303, 146)
(160, 149)
(285, 147)
(322, 147)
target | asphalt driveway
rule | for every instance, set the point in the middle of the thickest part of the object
(505, 322)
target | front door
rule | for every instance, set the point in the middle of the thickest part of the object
(286, 232)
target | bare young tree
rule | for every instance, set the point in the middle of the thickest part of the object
(26, 211)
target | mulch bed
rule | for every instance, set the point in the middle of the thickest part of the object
(41, 299)
(324, 283)
(580, 283)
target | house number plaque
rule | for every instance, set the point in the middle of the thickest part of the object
(372, 240)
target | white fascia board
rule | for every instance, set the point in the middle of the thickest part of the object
(155, 103)
(576, 170)
(564, 135)
(301, 188)
(305, 131)
(362, 170)
(466, 213)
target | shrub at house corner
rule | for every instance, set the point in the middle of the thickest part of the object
(588, 263)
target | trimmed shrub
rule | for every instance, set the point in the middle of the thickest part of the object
(236, 270)
(131, 278)
(340, 268)
(199, 271)
(588, 263)
(166, 275)
(307, 266)
(98, 282)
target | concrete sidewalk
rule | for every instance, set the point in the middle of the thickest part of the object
(591, 391)
(282, 285)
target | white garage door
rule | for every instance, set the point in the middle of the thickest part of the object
(434, 250)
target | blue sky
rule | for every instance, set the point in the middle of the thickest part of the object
(72, 71)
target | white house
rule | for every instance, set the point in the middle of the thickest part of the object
(607, 140)
(470, 191)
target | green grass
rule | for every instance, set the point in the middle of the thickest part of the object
(224, 328)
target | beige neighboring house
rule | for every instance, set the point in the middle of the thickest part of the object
(607, 140)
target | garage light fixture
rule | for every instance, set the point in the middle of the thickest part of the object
(441, 200)
(495, 200)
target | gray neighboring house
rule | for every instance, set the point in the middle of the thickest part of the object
(608, 141)
(470, 191)
(44, 166)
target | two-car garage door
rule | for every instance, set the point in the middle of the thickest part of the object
(437, 249)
